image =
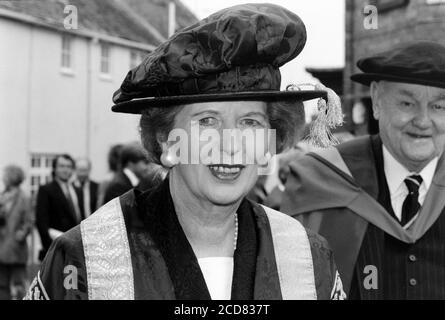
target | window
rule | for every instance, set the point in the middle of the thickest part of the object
(105, 59)
(40, 172)
(67, 62)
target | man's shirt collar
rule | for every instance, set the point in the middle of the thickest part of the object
(396, 173)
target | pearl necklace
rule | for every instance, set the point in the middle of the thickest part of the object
(235, 237)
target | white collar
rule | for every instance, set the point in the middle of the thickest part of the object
(133, 178)
(78, 184)
(396, 173)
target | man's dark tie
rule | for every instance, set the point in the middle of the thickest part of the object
(411, 204)
(71, 204)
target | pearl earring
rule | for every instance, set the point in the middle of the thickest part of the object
(168, 160)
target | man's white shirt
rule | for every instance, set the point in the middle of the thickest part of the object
(133, 178)
(396, 173)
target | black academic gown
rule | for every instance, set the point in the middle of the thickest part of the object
(163, 264)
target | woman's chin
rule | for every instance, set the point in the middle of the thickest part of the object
(225, 195)
(225, 201)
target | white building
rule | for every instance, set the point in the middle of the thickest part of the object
(56, 84)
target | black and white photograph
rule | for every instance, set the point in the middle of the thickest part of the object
(195, 150)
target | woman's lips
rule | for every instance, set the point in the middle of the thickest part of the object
(226, 172)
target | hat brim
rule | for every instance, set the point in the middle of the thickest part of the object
(136, 106)
(367, 78)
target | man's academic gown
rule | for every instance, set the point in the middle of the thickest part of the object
(134, 248)
(335, 192)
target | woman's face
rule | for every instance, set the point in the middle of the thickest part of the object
(225, 172)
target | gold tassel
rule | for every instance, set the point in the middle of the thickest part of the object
(329, 116)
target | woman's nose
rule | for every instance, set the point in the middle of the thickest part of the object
(231, 141)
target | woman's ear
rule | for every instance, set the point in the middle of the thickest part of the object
(163, 143)
(168, 160)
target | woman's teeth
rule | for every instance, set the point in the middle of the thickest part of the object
(225, 172)
(225, 169)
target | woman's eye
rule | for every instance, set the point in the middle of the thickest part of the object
(208, 122)
(251, 123)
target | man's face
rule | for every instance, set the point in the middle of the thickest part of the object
(411, 121)
(64, 169)
(139, 168)
(82, 170)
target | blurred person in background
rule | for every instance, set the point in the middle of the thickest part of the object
(153, 176)
(114, 166)
(88, 189)
(57, 208)
(16, 221)
(134, 166)
(273, 199)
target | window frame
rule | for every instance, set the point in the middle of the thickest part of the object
(40, 170)
(66, 55)
(105, 60)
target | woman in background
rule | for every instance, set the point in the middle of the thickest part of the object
(16, 221)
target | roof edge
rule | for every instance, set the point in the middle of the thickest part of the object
(86, 34)
(138, 19)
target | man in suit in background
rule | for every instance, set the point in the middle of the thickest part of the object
(87, 187)
(134, 167)
(380, 200)
(57, 208)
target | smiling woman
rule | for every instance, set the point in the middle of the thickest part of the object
(286, 117)
(196, 236)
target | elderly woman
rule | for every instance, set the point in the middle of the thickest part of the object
(206, 95)
(16, 220)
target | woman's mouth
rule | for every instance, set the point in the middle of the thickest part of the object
(226, 172)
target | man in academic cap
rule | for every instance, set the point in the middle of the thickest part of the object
(379, 200)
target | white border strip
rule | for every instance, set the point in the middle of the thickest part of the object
(107, 254)
(293, 257)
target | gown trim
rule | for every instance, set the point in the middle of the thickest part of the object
(293, 257)
(107, 254)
